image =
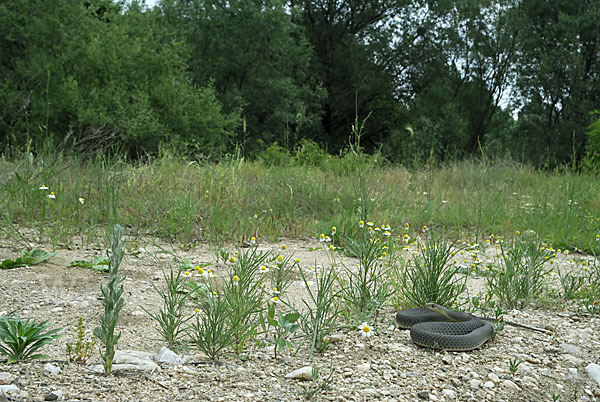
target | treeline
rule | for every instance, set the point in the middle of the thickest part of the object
(438, 80)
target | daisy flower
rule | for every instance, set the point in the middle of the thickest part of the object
(365, 330)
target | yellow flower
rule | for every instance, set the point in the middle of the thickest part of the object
(51, 195)
(232, 259)
(362, 225)
(333, 230)
(297, 260)
(235, 279)
(283, 246)
(43, 187)
(275, 299)
(253, 240)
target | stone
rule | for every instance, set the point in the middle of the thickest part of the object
(52, 369)
(510, 385)
(10, 389)
(488, 384)
(572, 349)
(337, 338)
(423, 394)
(593, 370)
(449, 393)
(165, 355)
(493, 377)
(363, 367)
(6, 378)
(303, 374)
(474, 383)
(54, 395)
(130, 360)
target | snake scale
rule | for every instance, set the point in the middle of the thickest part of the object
(437, 327)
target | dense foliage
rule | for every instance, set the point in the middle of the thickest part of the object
(439, 79)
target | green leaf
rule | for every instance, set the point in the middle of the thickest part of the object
(28, 257)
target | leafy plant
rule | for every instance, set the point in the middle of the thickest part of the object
(315, 386)
(170, 318)
(513, 366)
(364, 290)
(243, 295)
(285, 325)
(21, 338)
(81, 351)
(520, 277)
(321, 311)
(210, 332)
(431, 277)
(99, 264)
(113, 301)
(27, 258)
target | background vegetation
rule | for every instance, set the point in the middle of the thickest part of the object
(442, 80)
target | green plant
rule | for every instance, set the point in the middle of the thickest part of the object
(81, 351)
(520, 277)
(285, 325)
(210, 332)
(243, 295)
(431, 277)
(99, 264)
(113, 301)
(27, 258)
(315, 385)
(318, 320)
(513, 366)
(170, 317)
(365, 289)
(21, 338)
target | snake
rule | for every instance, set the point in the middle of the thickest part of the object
(438, 327)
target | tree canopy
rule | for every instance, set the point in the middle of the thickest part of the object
(439, 80)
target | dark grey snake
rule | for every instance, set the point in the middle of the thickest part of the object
(438, 327)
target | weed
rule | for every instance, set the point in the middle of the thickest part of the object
(431, 277)
(113, 301)
(520, 277)
(27, 258)
(209, 331)
(243, 295)
(315, 386)
(98, 264)
(21, 338)
(513, 366)
(321, 310)
(81, 351)
(284, 325)
(366, 288)
(170, 318)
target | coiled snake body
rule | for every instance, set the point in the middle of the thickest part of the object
(437, 327)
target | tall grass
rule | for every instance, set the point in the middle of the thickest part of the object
(190, 201)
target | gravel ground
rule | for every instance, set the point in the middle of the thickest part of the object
(386, 366)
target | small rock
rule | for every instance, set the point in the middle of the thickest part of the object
(336, 338)
(572, 373)
(493, 377)
(50, 397)
(303, 374)
(364, 367)
(449, 393)
(9, 389)
(57, 310)
(572, 360)
(168, 356)
(423, 394)
(130, 360)
(6, 378)
(52, 369)
(456, 382)
(572, 349)
(593, 370)
(488, 384)
(474, 383)
(447, 359)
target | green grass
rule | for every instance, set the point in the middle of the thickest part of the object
(191, 201)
